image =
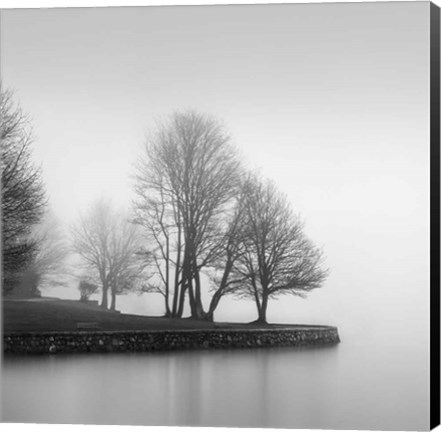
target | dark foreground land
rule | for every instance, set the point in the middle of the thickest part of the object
(49, 315)
(52, 326)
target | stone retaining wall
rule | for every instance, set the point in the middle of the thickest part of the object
(141, 341)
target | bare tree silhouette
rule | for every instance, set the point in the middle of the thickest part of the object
(47, 267)
(23, 194)
(185, 181)
(109, 244)
(277, 257)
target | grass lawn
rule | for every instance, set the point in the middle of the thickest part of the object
(40, 315)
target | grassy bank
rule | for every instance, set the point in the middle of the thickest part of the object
(43, 315)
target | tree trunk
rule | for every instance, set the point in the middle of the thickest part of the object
(199, 309)
(167, 277)
(213, 305)
(167, 309)
(180, 310)
(191, 297)
(262, 310)
(209, 316)
(214, 302)
(176, 296)
(197, 282)
(188, 280)
(219, 292)
(198, 312)
(113, 303)
(178, 264)
(105, 295)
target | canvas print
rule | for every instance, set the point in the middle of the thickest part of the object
(220, 215)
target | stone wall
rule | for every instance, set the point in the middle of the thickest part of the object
(141, 341)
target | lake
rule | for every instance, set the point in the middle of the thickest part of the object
(354, 385)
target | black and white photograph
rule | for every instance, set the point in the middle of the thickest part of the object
(221, 215)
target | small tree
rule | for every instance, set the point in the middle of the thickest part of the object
(277, 258)
(108, 243)
(47, 267)
(86, 289)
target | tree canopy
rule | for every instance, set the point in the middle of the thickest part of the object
(277, 257)
(108, 244)
(185, 182)
(23, 193)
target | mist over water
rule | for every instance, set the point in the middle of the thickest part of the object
(349, 386)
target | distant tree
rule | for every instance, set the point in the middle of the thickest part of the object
(186, 180)
(277, 257)
(23, 194)
(47, 266)
(86, 289)
(108, 244)
(126, 260)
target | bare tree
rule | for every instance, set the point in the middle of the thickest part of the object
(188, 176)
(91, 240)
(23, 195)
(47, 267)
(108, 244)
(163, 238)
(127, 267)
(223, 277)
(277, 257)
(86, 289)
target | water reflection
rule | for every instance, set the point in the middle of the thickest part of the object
(340, 387)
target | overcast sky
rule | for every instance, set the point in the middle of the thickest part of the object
(330, 101)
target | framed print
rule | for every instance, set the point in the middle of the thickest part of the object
(221, 215)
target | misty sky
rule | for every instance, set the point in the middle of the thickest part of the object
(330, 101)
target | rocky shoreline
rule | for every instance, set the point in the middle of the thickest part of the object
(165, 340)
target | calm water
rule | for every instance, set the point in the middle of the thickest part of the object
(348, 386)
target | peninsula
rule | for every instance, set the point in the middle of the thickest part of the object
(49, 326)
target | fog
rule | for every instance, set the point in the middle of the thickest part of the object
(315, 388)
(330, 101)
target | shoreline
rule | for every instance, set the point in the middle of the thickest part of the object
(117, 341)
